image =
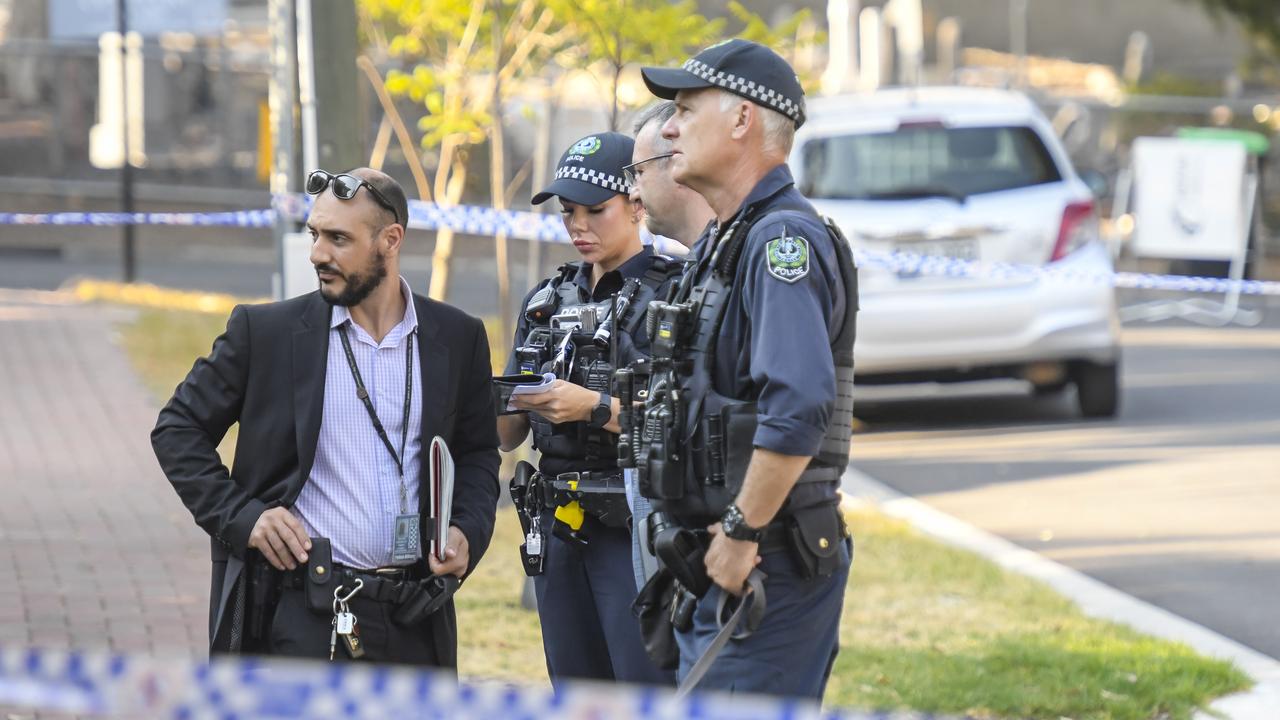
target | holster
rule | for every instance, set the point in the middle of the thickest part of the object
(264, 593)
(321, 580)
(816, 533)
(682, 551)
(655, 607)
(427, 597)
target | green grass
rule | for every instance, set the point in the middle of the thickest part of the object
(936, 629)
(926, 627)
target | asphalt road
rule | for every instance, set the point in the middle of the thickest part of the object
(1177, 501)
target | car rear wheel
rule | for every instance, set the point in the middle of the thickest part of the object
(1097, 388)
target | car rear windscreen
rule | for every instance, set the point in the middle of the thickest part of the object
(929, 161)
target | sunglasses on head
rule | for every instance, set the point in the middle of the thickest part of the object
(345, 187)
(629, 171)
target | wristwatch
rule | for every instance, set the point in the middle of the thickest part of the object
(736, 527)
(602, 412)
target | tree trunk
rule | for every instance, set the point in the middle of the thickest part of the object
(613, 113)
(497, 184)
(411, 154)
(451, 178)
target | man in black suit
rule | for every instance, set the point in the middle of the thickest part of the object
(337, 409)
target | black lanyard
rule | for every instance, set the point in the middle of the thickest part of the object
(363, 394)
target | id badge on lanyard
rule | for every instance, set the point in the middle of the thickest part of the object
(407, 533)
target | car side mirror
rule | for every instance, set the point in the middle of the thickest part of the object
(1096, 181)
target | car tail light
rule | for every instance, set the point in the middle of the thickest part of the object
(1079, 227)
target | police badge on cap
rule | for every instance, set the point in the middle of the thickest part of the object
(590, 171)
(740, 66)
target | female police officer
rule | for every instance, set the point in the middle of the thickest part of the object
(575, 325)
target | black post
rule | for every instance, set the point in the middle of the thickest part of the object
(126, 170)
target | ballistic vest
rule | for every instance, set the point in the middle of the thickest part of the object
(578, 442)
(718, 431)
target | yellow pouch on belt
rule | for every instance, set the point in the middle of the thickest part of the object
(571, 514)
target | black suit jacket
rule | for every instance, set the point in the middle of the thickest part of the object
(267, 372)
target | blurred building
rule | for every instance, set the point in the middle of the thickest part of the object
(1184, 40)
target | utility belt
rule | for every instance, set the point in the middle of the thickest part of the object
(810, 536)
(576, 500)
(665, 605)
(599, 494)
(413, 590)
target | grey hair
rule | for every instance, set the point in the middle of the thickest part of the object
(659, 112)
(779, 130)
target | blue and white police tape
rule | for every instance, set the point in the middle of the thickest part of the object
(912, 264)
(235, 688)
(237, 219)
(523, 225)
(467, 219)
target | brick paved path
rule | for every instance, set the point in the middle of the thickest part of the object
(95, 549)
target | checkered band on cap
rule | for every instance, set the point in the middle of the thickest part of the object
(614, 183)
(747, 88)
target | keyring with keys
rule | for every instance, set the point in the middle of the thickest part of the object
(344, 621)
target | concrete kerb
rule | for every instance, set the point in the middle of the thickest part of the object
(1262, 702)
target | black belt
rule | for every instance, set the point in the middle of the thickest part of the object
(390, 584)
(775, 538)
(590, 476)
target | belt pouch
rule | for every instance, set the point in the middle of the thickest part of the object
(816, 534)
(320, 582)
(430, 595)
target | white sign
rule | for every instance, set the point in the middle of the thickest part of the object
(1189, 202)
(299, 273)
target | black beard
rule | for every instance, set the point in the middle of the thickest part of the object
(358, 286)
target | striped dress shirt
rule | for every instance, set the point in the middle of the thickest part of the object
(352, 496)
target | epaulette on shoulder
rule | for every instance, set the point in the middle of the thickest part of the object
(568, 271)
(662, 268)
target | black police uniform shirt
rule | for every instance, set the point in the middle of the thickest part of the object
(782, 316)
(631, 346)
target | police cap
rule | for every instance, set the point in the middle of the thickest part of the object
(740, 66)
(590, 171)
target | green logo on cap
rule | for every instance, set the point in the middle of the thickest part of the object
(585, 146)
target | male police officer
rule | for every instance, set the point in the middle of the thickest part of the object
(754, 419)
(673, 211)
(670, 209)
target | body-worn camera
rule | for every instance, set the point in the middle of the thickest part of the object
(669, 325)
(550, 347)
(653, 422)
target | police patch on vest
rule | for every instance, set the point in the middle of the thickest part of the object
(788, 257)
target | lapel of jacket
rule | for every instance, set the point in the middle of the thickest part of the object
(310, 358)
(433, 364)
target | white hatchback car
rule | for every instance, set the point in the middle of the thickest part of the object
(978, 175)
